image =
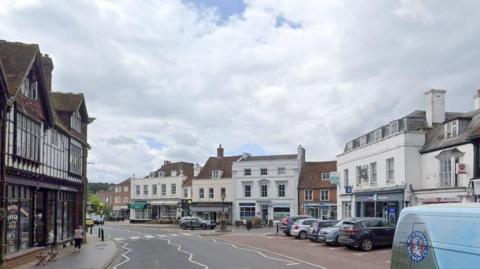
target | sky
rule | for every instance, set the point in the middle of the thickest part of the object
(171, 79)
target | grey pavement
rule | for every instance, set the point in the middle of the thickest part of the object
(150, 247)
(94, 255)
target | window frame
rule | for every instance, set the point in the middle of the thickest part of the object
(249, 191)
(264, 171)
(201, 193)
(390, 170)
(281, 171)
(282, 190)
(322, 192)
(211, 193)
(308, 194)
(264, 192)
(249, 172)
(163, 189)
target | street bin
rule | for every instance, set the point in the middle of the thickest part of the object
(249, 225)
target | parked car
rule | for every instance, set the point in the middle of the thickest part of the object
(194, 222)
(300, 228)
(287, 222)
(437, 236)
(98, 220)
(328, 235)
(366, 233)
(88, 221)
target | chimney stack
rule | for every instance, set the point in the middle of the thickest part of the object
(301, 153)
(47, 66)
(220, 151)
(435, 106)
(476, 100)
(166, 162)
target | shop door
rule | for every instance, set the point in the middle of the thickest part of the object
(324, 213)
(40, 218)
(264, 214)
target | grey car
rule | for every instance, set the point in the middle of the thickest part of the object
(195, 222)
(328, 235)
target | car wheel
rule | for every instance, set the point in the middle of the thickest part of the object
(183, 226)
(203, 226)
(302, 235)
(366, 244)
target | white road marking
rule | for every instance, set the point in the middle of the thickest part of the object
(190, 258)
(134, 237)
(127, 259)
(313, 244)
(173, 235)
(187, 234)
(359, 254)
(148, 236)
(293, 263)
(161, 235)
(118, 238)
(332, 248)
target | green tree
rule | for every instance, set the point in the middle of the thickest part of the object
(95, 202)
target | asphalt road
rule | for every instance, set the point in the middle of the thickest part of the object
(155, 248)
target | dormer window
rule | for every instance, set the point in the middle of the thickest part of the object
(451, 129)
(216, 174)
(161, 174)
(393, 127)
(76, 122)
(30, 88)
(378, 134)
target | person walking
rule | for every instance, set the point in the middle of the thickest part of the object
(78, 238)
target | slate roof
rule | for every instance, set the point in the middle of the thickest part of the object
(217, 163)
(269, 157)
(17, 59)
(310, 175)
(68, 102)
(167, 168)
(435, 139)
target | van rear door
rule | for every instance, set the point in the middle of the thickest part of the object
(419, 248)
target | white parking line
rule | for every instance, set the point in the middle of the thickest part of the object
(127, 259)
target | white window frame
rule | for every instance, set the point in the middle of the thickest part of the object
(346, 179)
(173, 188)
(451, 129)
(137, 189)
(308, 195)
(279, 192)
(373, 174)
(445, 172)
(216, 174)
(325, 176)
(324, 195)
(211, 193)
(249, 190)
(154, 189)
(247, 172)
(263, 193)
(145, 189)
(390, 170)
(201, 193)
(281, 171)
(264, 171)
(185, 193)
(163, 189)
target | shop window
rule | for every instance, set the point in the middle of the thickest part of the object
(247, 211)
(280, 213)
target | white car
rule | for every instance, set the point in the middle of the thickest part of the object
(300, 228)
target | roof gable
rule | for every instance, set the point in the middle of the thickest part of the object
(218, 163)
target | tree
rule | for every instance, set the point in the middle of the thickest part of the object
(95, 202)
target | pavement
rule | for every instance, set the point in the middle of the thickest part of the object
(156, 247)
(93, 255)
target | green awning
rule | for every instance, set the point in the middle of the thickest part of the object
(138, 205)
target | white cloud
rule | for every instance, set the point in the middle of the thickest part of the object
(167, 73)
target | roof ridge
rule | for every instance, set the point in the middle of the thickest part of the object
(19, 43)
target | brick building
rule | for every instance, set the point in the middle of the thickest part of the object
(317, 196)
(121, 197)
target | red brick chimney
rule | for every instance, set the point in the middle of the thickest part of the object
(47, 66)
(220, 151)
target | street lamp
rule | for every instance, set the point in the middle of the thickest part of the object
(223, 226)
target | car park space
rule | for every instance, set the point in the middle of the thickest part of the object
(317, 253)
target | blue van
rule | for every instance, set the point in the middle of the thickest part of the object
(441, 236)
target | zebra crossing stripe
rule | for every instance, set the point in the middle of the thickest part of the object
(187, 234)
(173, 234)
(134, 237)
(147, 236)
(161, 235)
(118, 238)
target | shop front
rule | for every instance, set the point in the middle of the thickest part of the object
(165, 210)
(212, 211)
(38, 217)
(321, 210)
(442, 196)
(379, 204)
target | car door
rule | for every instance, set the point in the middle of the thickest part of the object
(389, 228)
(420, 250)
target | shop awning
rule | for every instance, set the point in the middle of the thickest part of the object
(169, 203)
(138, 205)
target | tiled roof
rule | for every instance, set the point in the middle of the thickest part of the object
(68, 102)
(17, 60)
(3, 81)
(269, 157)
(167, 168)
(57, 100)
(187, 182)
(310, 175)
(436, 140)
(218, 163)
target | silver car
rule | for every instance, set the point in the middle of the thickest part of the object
(300, 228)
(194, 222)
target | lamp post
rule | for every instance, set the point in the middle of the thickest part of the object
(223, 226)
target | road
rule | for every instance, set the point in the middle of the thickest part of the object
(153, 248)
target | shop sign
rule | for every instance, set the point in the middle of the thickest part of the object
(334, 178)
(348, 189)
(382, 198)
(461, 168)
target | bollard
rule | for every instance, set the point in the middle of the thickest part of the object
(277, 227)
(99, 232)
(103, 235)
(91, 229)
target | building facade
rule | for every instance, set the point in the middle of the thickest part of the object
(317, 197)
(377, 169)
(450, 154)
(45, 154)
(106, 197)
(158, 195)
(266, 186)
(121, 199)
(214, 182)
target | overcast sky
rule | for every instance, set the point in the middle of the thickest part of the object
(170, 80)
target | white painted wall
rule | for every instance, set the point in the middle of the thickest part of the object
(290, 178)
(217, 185)
(157, 181)
(403, 147)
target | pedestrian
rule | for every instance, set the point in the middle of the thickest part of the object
(78, 238)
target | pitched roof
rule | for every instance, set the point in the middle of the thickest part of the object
(310, 175)
(217, 163)
(184, 167)
(18, 59)
(3, 82)
(187, 182)
(436, 140)
(69, 102)
(269, 157)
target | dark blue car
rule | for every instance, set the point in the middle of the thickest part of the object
(366, 233)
